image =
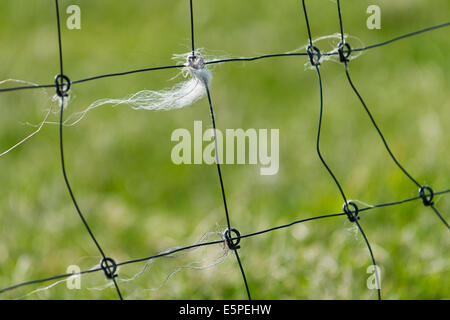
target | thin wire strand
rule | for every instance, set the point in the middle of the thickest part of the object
(192, 27)
(340, 22)
(321, 113)
(377, 128)
(341, 190)
(219, 171)
(307, 23)
(407, 35)
(440, 216)
(372, 257)
(38, 86)
(274, 55)
(61, 145)
(61, 64)
(244, 278)
(57, 277)
(213, 120)
(345, 201)
(126, 73)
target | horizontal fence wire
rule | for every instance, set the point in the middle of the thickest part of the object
(231, 237)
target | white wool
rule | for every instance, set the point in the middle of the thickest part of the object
(224, 252)
(38, 127)
(333, 42)
(179, 96)
(196, 265)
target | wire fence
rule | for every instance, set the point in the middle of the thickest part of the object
(232, 237)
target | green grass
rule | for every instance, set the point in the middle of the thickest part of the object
(139, 203)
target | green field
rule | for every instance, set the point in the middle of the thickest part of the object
(138, 203)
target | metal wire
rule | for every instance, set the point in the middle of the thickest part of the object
(61, 145)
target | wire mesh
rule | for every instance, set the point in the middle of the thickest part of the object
(232, 237)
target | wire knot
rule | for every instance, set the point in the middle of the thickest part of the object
(352, 215)
(344, 51)
(109, 267)
(195, 61)
(427, 195)
(63, 85)
(232, 242)
(314, 55)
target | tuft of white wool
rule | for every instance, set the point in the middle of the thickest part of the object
(181, 95)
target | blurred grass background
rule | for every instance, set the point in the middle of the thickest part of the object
(139, 203)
